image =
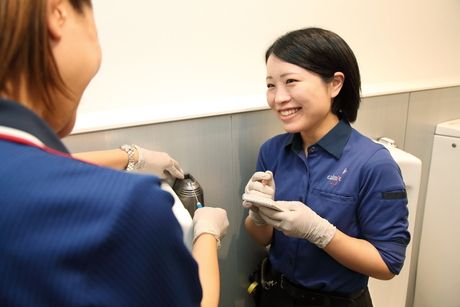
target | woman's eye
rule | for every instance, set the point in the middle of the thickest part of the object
(290, 81)
(269, 85)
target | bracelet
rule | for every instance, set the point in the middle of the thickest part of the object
(129, 149)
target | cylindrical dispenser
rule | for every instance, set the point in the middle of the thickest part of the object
(189, 192)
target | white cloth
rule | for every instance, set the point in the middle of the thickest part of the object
(261, 184)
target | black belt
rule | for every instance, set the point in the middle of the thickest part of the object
(315, 297)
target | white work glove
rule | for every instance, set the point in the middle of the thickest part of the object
(210, 220)
(158, 163)
(261, 184)
(298, 220)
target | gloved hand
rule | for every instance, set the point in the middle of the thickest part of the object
(210, 220)
(158, 163)
(299, 221)
(261, 184)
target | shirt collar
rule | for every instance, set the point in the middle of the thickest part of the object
(333, 142)
(16, 116)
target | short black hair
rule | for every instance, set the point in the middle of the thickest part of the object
(324, 53)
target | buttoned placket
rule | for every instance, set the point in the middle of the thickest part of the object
(304, 156)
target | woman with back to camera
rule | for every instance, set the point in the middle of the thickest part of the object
(339, 203)
(73, 233)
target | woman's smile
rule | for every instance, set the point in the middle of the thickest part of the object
(288, 114)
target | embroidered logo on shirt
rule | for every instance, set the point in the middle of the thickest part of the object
(335, 179)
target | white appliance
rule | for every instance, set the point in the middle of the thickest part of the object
(438, 267)
(182, 216)
(393, 293)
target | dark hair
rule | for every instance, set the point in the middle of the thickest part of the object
(324, 53)
(25, 52)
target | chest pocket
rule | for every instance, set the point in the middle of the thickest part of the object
(332, 206)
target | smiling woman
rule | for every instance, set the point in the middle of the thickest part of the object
(301, 86)
(331, 182)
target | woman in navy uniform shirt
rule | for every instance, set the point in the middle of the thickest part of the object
(339, 203)
(73, 233)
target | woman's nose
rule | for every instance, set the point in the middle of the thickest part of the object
(281, 95)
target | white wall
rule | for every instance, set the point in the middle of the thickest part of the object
(182, 59)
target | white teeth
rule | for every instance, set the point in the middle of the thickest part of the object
(289, 111)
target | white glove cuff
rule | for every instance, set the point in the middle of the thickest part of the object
(323, 234)
(197, 235)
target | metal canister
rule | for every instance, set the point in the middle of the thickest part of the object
(189, 192)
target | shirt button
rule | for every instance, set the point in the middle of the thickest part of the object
(311, 149)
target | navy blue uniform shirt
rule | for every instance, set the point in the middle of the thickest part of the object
(75, 234)
(352, 182)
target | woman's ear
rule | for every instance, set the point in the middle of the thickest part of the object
(56, 13)
(337, 83)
